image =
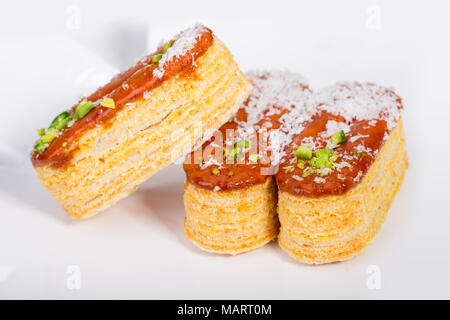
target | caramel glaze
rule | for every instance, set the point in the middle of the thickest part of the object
(124, 88)
(340, 181)
(244, 172)
(337, 182)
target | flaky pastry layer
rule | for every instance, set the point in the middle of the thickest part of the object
(231, 222)
(110, 161)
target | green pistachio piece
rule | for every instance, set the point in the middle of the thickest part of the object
(83, 109)
(230, 153)
(334, 156)
(60, 121)
(108, 103)
(320, 163)
(338, 137)
(156, 58)
(303, 152)
(49, 135)
(324, 153)
(215, 171)
(166, 47)
(243, 144)
(40, 146)
(63, 123)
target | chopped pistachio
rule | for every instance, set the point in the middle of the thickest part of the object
(49, 135)
(230, 153)
(338, 137)
(108, 103)
(60, 121)
(63, 123)
(334, 156)
(324, 153)
(40, 146)
(301, 164)
(156, 58)
(41, 131)
(253, 157)
(243, 144)
(83, 109)
(320, 163)
(322, 159)
(64, 144)
(358, 153)
(303, 152)
(215, 171)
(230, 173)
(167, 45)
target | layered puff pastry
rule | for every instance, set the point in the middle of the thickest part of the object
(144, 119)
(230, 193)
(338, 157)
(341, 173)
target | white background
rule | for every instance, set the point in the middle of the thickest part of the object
(51, 53)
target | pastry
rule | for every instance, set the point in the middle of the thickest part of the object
(230, 193)
(104, 147)
(340, 174)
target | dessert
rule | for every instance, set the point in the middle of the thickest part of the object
(341, 173)
(230, 193)
(145, 118)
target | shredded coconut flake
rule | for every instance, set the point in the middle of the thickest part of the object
(319, 180)
(358, 177)
(184, 41)
(273, 91)
(358, 136)
(362, 148)
(360, 101)
(334, 126)
(342, 164)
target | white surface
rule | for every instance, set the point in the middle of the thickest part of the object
(137, 249)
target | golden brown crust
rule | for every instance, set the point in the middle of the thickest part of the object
(231, 222)
(335, 228)
(110, 162)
